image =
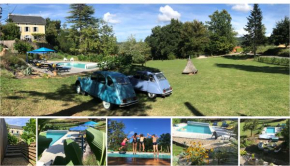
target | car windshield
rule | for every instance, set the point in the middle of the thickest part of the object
(122, 80)
(160, 76)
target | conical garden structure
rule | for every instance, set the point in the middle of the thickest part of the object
(189, 68)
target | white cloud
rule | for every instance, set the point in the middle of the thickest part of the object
(242, 7)
(167, 13)
(110, 18)
(241, 32)
(131, 133)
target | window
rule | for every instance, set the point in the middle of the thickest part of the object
(122, 80)
(17, 132)
(151, 78)
(35, 29)
(101, 79)
(110, 81)
(27, 29)
(160, 76)
(94, 77)
(12, 131)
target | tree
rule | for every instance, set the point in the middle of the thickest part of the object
(285, 133)
(81, 16)
(22, 46)
(255, 30)
(251, 124)
(115, 134)
(29, 134)
(165, 142)
(222, 35)
(10, 31)
(194, 38)
(280, 34)
(52, 30)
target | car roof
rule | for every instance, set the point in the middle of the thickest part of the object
(147, 72)
(110, 73)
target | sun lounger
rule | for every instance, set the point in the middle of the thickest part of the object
(214, 124)
(71, 59)
(224, 124)
(64, 59)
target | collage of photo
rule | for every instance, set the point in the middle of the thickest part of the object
(164, 82)
(144, 141)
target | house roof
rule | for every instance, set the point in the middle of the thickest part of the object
(24, 19)
(15, 127)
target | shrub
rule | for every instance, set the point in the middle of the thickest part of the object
(12, 140)
(273, 60)
(243, 152)
(171, 56)
(14, 61)
(22, 46)
(7, 74)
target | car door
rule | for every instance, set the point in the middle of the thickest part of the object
(93, 84)
(87, 83)
(144, 82)
(110, 91)
(100, 86)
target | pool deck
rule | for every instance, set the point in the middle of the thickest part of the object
(219, 130)
(73, 70)
(55, 150)
(137, 161)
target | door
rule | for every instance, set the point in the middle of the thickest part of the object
(110, 91)
(100, 86)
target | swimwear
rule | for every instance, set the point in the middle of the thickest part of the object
(123, 144)
(142, 142)
(154, 143)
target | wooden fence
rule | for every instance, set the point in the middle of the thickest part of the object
(3, 139)
(28, 151)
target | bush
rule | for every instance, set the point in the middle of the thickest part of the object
(12, 140)
(22, 46)
(273, 60)
(14, 61)
(171, 56)
(273, 51)
(7, 74)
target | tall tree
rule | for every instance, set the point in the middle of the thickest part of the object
(29, 134)
(285, 133)
(221, 33)
(194, 38)
(251, 124)
(81, 16)
(115, 134)
(280, 34)
(52, 30)
(255, 30)
(9, 31)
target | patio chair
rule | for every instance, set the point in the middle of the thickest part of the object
(260, 145)
(214, 123)
(64, 59)
(283, 125)
(224, 124)
(71, 59)
(278, 125)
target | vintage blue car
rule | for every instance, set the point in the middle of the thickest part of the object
(152, 83)
(112, 88)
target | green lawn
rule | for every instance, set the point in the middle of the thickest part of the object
(222, 87)
(177, 149)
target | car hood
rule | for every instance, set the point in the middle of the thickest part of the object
(126, 91)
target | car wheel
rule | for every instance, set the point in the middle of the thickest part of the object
(107, 106)
(78, 89)
(151, 95)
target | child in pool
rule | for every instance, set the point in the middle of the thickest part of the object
(123, 144)
(155, 145)
(141, 144)
(135, 136)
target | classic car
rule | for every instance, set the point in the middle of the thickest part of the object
(112, 88)
(152, 83)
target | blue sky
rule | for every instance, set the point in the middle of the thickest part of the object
(139, 19)
(144, 126)
(17, 121)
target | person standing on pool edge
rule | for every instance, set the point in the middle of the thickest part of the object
(135, 136)
(155, 145)
(141, 144)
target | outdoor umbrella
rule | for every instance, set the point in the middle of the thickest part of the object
(78, 128)
(90, 123)
(41, 50)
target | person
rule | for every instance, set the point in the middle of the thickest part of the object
(142, 144)
(135, 136)
(155, 145)
(123, 144)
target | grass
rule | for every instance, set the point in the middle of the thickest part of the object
(177, 149)
(224, 86)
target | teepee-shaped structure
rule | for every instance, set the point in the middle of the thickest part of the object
(189, 68)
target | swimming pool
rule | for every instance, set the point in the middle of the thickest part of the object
(139, 155)
(79, 65)
(55, 135)
(196, 127)
(270, 130)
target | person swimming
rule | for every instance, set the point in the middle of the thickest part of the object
(155, 144)
(142, 144)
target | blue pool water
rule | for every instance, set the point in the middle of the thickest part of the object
(270, 130)
(55, 136)
(196, 129)
(73, 64)
(142, 155)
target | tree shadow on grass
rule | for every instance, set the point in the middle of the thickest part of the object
(193, 110)
(66, 94)
(128, 70)
(262, 69)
